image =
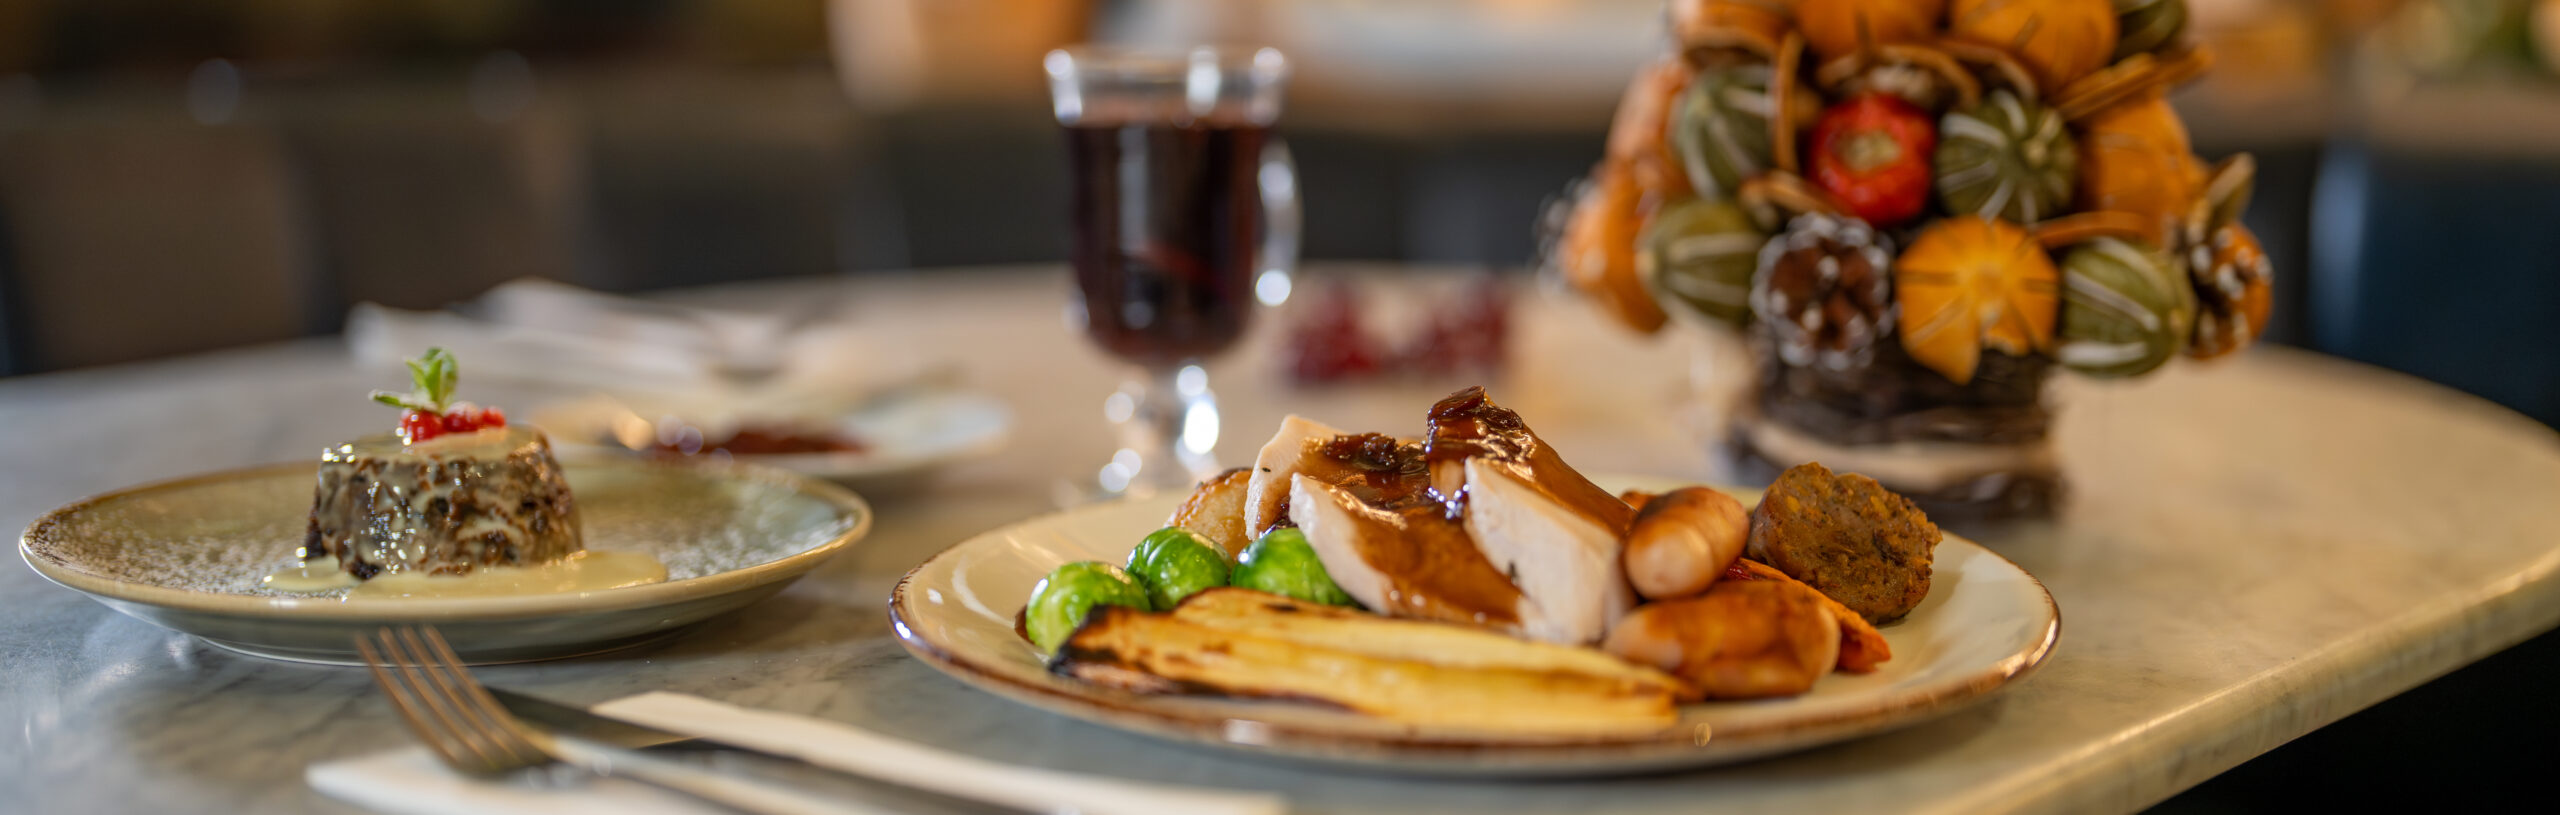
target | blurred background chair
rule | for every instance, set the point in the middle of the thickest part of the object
(2439, 246)
(696, 178)
(136, 232)
(423, 196)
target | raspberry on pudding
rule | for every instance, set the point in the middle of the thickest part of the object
(453, 491)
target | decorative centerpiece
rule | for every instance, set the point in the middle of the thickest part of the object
(1913, 211)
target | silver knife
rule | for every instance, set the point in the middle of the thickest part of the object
(747, 761)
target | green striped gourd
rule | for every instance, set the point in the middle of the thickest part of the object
(2126, 308)
(1720, 127)
(2006, 158)
(1701, 254)
(2142, 26)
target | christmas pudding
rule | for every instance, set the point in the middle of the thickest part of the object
(1915, 212)
(456, 490)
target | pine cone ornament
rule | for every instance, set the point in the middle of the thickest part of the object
(2143, 26)
(1838, 28)
(2233, 281)
(1720, 126)
(2134, 158)
(2057, 40)
(2006, 158)
(1824, 291)
(2234, 287)
(2126, 308)
(1871, 153)
(1702, 254)
(1970, 283)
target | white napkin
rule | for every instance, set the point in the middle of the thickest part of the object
(411, 782)
(559, 335)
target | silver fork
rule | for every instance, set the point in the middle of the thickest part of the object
(467, 729)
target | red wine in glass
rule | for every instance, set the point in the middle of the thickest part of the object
(1173, 230)
(1167, 219)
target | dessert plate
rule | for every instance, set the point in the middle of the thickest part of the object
(1985, 624)
(902, 435)
(189, 555)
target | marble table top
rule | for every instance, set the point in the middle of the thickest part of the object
(2256, 548)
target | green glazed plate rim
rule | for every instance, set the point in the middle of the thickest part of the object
(40, 544)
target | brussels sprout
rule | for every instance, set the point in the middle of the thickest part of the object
(1282, 563)
(1061, 600)
(1175, 563)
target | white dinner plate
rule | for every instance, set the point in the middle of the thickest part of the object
(1986, 623)
(190, 555)
(902, 435)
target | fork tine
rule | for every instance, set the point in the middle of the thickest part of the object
(454, 683)
(432, 725)
(407, 707)
(478, 693)
(449, 719)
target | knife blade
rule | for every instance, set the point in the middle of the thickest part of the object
(901, 797)
(574, 721)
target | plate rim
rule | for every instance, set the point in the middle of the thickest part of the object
(1279, 738)
(48, 527)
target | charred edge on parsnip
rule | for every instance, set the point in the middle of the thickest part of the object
(1109, 668)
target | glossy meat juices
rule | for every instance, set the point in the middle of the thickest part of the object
(1482, 523)
(1407, 561)
(1468, 425)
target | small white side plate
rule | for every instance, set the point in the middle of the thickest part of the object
(903, 434)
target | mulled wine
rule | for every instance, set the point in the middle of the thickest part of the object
(1167, 219)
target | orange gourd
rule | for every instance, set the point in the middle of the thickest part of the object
(2134, 158)
(1970, 283)
(1639, 136)
(1598, 250)
(1838, 28)
(2057, 40)
(1751, 25)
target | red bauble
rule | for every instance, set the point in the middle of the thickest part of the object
(1872, 154)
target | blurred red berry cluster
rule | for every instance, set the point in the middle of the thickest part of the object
(1467, 334)
(418, 425)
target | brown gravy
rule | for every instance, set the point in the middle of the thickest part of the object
(1468, 424)
(1380, 470)
(1432, 569)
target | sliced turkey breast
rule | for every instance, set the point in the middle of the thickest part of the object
(1266, 496)
(1569, 566)
(1412, 561)
(1468, 425)
(1378, 469)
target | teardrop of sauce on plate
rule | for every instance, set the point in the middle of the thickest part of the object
(580, 572)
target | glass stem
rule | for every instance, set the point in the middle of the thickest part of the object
(1168, 422)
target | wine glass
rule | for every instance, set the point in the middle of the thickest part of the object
(1183, 206)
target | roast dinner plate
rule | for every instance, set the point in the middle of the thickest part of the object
(1985, 624)
(898, 435)
(191, 555)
